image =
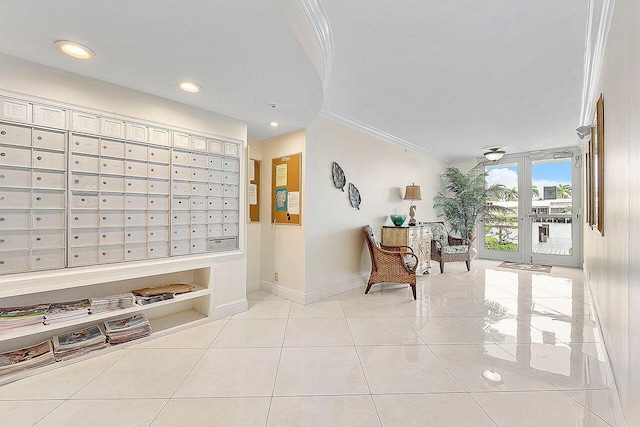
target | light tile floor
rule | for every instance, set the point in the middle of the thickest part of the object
(353, 360)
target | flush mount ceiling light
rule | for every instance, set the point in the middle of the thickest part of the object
(75, 49)
(494, 154)
(274, 124)
(190, 87)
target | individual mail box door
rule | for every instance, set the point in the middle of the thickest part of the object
(48, 160)
(198, 203)
(87, 219)
(230, 190)
(15, 156)
(159, 155)
(85, 182)
(181, 158)
(180, 248)
(199, 143)
(16, 178)
(135, 235)
(135, 219)
(214, 146)
(111, 236)
(14, 261)
(112, 127)
(111, 201)
(48, 219)
(134, 168)
(231, 149)
(48, 199)
(111, 219)
(230, 217)
(135, 185)
(198, 246)
(136, 132)
(157, 218)
(15, 135)
(198, 231)
(159, 203)
(53, 180)
(158, 250)
(199, 175)
(80, 163)
(182, 173)
(230, 230)
(84, 122)
(48, 139)
(198, 189)
(222, 244)
(84, 145)
(84, 201)
(230, 204)
(215, 162)
(214, 190)
(199, 160)
(134, 252)
(136, 202)
(112, 166)
(159, 136)
(215, 230)
(215, 177)
(180, 232)
(109, 254)
(230, 178)
(158, 186)
(198, 217)
(14, 240)
(215, 203)
(83, 256)
(111, 148)
(47, 259)
(215, 217)
(16, 110)
(180, 204)
(180, 218)
(17, 198)
(15, 220)
(180, 140)
(231, 165)
(158, 171)
(114, 184)
(48, 239)
(135, 151)
(84, 237)
(158, 234)
(181, 188)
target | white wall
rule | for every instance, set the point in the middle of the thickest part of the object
(28, 78)
(611, 261)
(282, 246)
(336, 256)
(254, 230)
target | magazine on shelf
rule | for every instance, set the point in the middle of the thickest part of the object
(17, 317)
(63, 311)
(81, 338)
(141, 300)
(127, 329)
(112, 302)
(28, 357)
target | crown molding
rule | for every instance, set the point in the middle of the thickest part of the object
(317, 17)
(362, 127)
(594, 57)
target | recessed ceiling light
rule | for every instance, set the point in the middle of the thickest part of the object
(274, 124)
(75, 49)
(190, 87)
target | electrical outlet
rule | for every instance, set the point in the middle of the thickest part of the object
(275, 276)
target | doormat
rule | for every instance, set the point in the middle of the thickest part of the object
(538, 268)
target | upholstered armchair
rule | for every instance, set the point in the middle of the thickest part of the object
(394, 264)
(446, 248)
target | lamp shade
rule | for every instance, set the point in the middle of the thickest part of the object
(494, 154)
(412, 192)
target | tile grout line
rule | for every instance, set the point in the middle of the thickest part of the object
(275, 378)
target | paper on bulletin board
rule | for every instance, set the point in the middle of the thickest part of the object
(253, 194)
(293, 199)
(281, 175)
(281, 199)
(252, 169)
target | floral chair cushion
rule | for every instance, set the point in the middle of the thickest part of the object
(410, 262)
(373, 237)
(455, 249)
(439, 234)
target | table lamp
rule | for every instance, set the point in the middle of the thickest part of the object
(412, 193)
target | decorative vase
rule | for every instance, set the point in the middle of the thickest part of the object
(397, 219)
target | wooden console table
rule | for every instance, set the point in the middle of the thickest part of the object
(417, 238)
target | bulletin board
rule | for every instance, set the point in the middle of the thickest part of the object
(286, 194)
(254, 190)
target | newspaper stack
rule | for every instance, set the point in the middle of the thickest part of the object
(127, 329)
(113, 302)
(77, 343)
(63, 311)
(142, 300)
(26, 358)
(12, 318)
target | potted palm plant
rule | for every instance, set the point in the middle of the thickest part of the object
(466, 203)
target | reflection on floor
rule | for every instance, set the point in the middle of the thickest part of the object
(354, 360)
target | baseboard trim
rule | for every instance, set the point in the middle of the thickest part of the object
(347, 285)
(229, 309)
(253, 286)
(281, 291)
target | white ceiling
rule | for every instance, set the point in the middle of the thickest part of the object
(450, 77)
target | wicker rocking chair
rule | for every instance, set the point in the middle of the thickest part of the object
(445, 248)
(395, 264)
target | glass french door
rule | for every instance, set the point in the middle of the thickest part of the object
(539, 223)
